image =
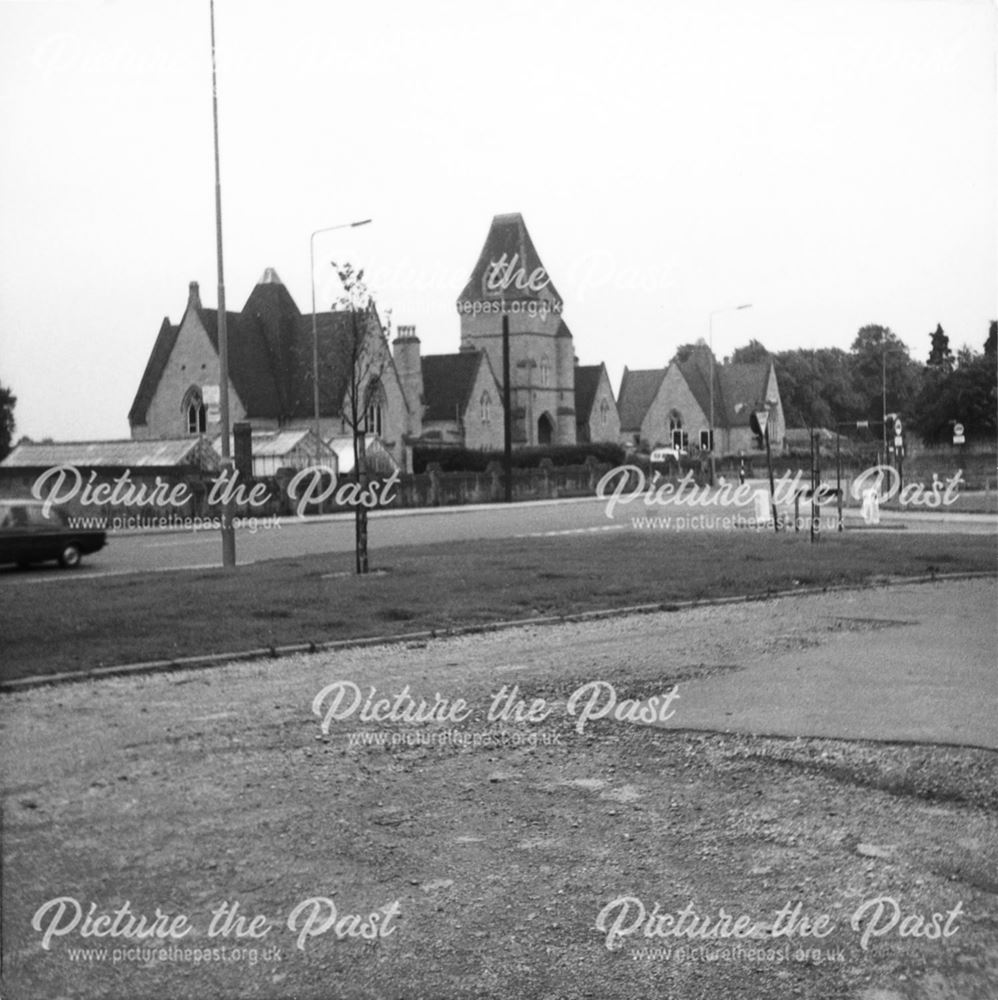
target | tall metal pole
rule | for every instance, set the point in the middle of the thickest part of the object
(228, 534)
(772, 484)
(710, 425)
(838, 473)
(710, 344)
(507, 420)
(315, 350)
(883, 377)
(315, 328)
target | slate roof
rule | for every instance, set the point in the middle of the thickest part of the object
(739, 389)
(107, 454)
(744, 387)
(587, 380)
(696, 371)
(270, 355)
(155, 366)
(637, 390)
(508, 235)
(448, 380)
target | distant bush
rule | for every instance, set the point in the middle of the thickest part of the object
(469, 460)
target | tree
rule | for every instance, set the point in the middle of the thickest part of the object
(883, 373)
(991, 344)
(367, 358)
(751, 353)
(967, 395)
(683, 353)
(940, 357)
(816, 387)
(7, 403)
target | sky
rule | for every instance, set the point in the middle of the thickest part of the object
(835, 164)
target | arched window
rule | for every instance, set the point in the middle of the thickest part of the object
(604, 412)
(486, 406)
(545, 370)
(193, 410)
(376, 407)
(677, 433)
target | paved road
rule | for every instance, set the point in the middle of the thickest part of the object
(293, 537)
(913, 663)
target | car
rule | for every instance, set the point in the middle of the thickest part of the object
(665, 454)
(30, 533)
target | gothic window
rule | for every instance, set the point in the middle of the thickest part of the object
(486, 406)
(194, 411)
(604, 412)
(376, 406)
(677, 433)
(545, 371)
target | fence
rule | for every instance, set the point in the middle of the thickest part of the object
(432, 488)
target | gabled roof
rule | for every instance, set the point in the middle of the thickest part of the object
(637, 391)
(270, 354)
(739, 389)
(744, 387)
(155, 367)
(508, 237)
(696, 371)
(108, 454)
(587, 380)
(448, 381)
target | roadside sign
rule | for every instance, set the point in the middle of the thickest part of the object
(897, 427)
(958, 430)
(898, 441)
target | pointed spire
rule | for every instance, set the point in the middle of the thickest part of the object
(270, 277)
(509, 266)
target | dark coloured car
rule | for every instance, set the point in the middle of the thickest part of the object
(30, 535)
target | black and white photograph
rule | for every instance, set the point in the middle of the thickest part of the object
(499, 501)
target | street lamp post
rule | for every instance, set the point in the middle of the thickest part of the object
(710, 344)
(315, 327)
(228, 532)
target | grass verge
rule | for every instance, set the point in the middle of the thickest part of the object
(69, 625)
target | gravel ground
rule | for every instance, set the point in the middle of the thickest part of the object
(498, 854)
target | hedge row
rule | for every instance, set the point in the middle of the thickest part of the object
(469, 460)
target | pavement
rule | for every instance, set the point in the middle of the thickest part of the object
(906, 663)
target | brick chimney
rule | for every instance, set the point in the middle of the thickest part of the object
(408, 364)
(193, 296)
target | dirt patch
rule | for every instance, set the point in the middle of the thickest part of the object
(496, 867)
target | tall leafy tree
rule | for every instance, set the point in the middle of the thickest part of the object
(991, 344)
(967, 395)
(884, 373)
(683, 353)
(7, 403)
(940, 356)
(817, 389)
(752, 352)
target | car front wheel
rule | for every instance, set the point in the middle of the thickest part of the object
(70, 556)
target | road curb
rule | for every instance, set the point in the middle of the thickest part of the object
(305, 648)
(375, 513)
